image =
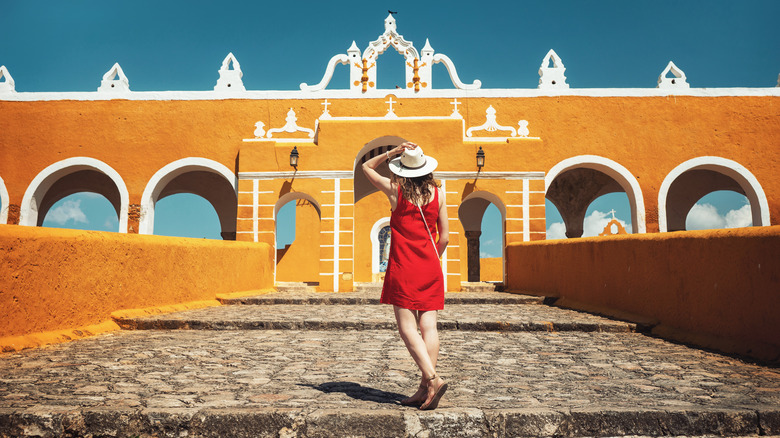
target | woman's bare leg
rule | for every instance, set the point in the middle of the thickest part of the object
(407, 328)
(429, 336)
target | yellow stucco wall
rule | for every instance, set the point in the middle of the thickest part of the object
(53, 279)
(649, 136)
(712, 288)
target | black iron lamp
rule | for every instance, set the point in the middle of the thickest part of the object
(480, 158)
(294, 157)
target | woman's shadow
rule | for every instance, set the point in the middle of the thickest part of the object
(358, 392)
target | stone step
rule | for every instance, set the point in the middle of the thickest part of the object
(348, 383)
(295, 287)
(480, 286)
(468, 317)
(368, 296)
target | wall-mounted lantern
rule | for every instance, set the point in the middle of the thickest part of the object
(294, 157)
(480, 158)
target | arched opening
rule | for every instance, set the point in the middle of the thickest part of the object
(186, 215)
(720, 209)
(371, 208)
(299, 260)
(205, 178)
(91, 178)
(81, 211)
(483, 216)
(380, 248)
(603, 210)
(391, 71)
(574, 184)
(689, 182)
(371, 149)
(4, 202)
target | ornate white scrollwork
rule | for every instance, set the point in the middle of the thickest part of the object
(291, 126)
(259, 131)
(363, 68)
(491, 125)
(338, 59)
(437, 58)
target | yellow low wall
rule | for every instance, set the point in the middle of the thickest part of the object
(718, 289)
(56, 283)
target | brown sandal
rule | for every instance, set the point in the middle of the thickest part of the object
(436, 396)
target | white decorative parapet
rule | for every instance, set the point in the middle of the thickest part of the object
(114, 80)
(552, 77)
(362, 68)
(678, 81)
(6, 81)
(230, 75)
(491, 124)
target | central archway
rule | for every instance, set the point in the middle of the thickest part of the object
(371, 206)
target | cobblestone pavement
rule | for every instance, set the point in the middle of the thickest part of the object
(348, 383)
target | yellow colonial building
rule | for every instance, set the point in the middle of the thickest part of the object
(665, 147)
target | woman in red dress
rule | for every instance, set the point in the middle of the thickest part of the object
(414, 283)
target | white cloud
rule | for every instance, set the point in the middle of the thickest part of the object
(68, 210)
(739, 218)
(706, 217)
(557, 230)
(111, 223)
(593, 226)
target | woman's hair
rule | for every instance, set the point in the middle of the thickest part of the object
(416, 190)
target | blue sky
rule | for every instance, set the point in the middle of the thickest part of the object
(179, 45)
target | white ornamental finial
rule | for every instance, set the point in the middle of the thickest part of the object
(114, 80)
(230, 78)
(552, 77)
(6, 81)
(677, 81)
(390, 23)
(259, 132)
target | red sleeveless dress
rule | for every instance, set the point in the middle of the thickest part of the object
(414, 279)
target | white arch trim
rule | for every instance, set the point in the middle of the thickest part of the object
(165, 175)
(378, 225)
(495, 200)
(5, 201)
(284, 199)
(617, 172)
(743, 177)
(28, 211)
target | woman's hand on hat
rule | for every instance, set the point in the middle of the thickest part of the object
(408, 145)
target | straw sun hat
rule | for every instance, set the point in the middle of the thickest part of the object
(413, 163)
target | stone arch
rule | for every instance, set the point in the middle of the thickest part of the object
(591, 176)
(378, 226)
(69, 176)
(301, 260)
(691, 180)
(199, 176)
(470, 213)
(371, 149)
(5, 201)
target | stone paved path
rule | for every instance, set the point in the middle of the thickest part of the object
(348, 382)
